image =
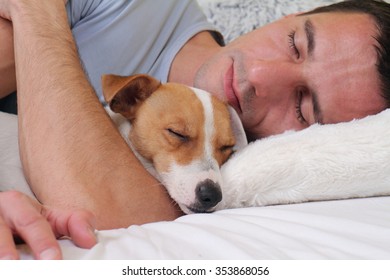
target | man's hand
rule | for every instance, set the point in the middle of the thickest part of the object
(39, 226)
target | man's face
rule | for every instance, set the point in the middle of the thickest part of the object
(298, 71)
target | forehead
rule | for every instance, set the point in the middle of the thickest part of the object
(342, 69)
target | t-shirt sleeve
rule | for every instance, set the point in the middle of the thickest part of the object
(127, 37)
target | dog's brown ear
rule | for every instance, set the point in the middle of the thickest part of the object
(125, 93)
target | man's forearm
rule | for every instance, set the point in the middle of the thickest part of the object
(72, 155)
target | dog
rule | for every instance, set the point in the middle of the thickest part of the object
(182, 135)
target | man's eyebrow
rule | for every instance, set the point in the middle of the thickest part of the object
(310, 35)
(318, 118)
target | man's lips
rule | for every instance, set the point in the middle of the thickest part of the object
(229, 89)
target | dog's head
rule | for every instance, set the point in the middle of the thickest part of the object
(184, 132)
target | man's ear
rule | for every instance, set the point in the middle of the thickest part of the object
(124, 94)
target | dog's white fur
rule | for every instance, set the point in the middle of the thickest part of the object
(345, 160)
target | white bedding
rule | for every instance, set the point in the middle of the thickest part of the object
(344, 229)
(347, 229)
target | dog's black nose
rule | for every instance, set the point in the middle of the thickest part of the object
(208, 194)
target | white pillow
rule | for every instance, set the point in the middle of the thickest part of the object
(345, 160)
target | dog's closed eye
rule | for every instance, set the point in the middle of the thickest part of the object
(179, 135)
(226, 148)
(227, 151)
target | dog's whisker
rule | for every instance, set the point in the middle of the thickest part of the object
(159, 184)
(174, 203)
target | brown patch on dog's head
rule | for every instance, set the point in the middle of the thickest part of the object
(172, 122)
(125, 94)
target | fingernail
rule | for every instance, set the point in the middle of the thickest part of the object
(49, 254)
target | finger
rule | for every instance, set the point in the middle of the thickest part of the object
(82, 227)
(23, 216)
(79, 225)
(7, 247)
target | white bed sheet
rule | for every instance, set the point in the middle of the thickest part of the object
(346, 229)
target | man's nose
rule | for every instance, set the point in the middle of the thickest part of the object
(274, 77)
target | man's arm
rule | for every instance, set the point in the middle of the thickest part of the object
(72, 155)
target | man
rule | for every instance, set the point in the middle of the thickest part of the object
(304, 69)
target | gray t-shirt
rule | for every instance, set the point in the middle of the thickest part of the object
(127, 37)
